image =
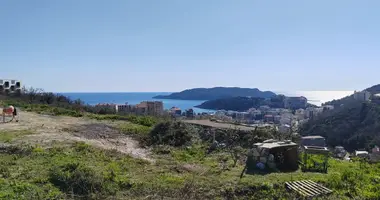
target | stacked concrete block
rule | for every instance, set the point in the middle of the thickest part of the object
(8, 86)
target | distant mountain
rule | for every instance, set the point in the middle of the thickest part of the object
(216, 93)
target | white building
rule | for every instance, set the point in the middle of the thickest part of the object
(300, 114)
(362, 95)
(286, 118)
(328, 107)
(312, 112)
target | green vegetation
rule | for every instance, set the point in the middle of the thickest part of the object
(8, 136)
(233, 103)
(185, 165)
(34, 100)
(141, 120)
(81, 171)
(243, 103)
(354, 126)
(216, 93)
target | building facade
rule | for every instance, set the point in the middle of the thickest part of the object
(150, 108)
(362, 95)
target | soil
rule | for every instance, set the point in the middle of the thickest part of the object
(52, 129)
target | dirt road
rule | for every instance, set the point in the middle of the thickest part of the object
(51, 129)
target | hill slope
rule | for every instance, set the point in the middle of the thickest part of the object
(241, 103)
(244, 103)
(350, 99)
(216, 93)
(355, 125)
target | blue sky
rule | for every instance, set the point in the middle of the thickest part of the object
(171, 45)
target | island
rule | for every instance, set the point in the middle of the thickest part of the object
(216, 93)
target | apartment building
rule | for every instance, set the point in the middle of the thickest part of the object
(362, 95)
(150, 108)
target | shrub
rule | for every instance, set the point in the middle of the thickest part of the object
(172, 133)
(76, 178)
(23, 190)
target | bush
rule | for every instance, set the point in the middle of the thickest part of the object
(172, 133)
(23, 190)
(76, 178)
(140, 120)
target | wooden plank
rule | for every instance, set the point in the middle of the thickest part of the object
(317, 191)
(290, 186)
(317, 186)
(321, 186)
(323, 189)
(308, 188)
(301, 188)
(296, 189)
(311, 194)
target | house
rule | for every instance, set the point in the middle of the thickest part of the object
(190, 113)
(175, 111)
(361, 154)
(277, 119)
(327, 107)
(268, 118)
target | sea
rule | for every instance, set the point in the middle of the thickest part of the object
(314, 97)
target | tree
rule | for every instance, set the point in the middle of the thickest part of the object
(233, 145)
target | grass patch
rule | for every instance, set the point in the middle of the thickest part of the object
(140, 120)
(8, 136)
(90, 173)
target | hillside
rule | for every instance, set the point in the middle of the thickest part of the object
(350, 99)
(243, 103)
(216, 93)
(355, 125)
(352, 124)
(234, 103)
(99, 156)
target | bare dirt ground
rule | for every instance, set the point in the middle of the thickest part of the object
(52, 129)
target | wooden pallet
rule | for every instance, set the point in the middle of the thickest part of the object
(308, 188)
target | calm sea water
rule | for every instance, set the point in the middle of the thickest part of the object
(134, 98)
(314, 97)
